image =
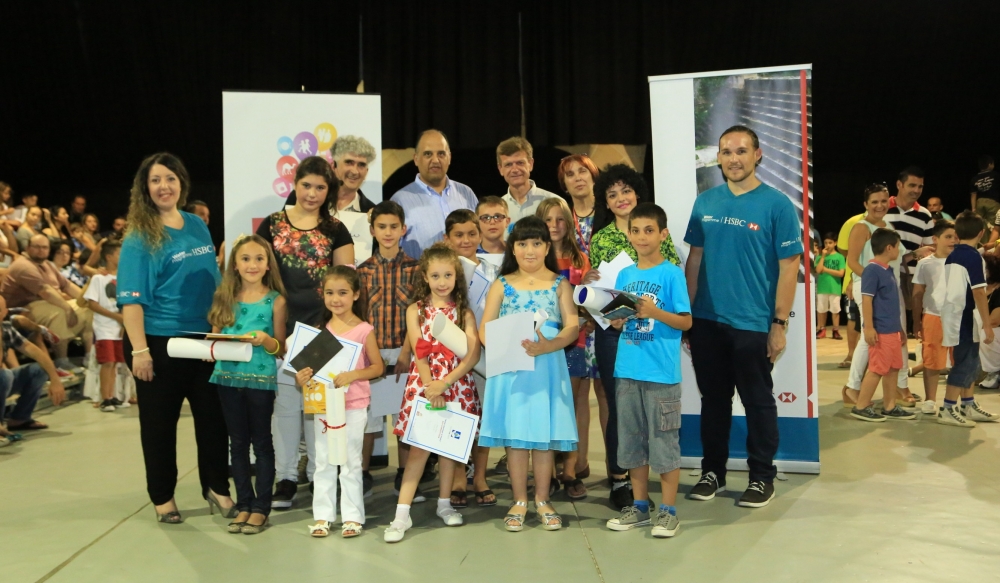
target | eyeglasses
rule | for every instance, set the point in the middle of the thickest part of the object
(492, 218)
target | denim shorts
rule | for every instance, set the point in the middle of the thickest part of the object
(965, 365)
(649, 425)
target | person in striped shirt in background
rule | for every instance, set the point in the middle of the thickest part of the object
(914, 223)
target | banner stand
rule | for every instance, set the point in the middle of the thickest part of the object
(688, 114)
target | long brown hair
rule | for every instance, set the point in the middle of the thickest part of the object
(349, 275)
(143, 216)
(569, 246)
(223, 312)
(422, 289)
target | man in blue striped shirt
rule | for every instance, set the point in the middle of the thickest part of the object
(432, 196)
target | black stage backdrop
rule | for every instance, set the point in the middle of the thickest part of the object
(89, 88)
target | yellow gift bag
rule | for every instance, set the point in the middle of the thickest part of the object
(314, 397)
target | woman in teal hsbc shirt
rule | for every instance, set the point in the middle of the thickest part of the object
(166, 277)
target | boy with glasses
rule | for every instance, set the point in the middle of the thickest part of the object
(493, 221)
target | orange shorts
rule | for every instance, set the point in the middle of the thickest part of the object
(886, 355)
(934, 355)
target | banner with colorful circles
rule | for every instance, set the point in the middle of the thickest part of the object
(266, 135)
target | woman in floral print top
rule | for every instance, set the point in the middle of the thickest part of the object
(307, 241)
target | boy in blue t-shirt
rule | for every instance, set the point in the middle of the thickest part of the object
(648, 373)
(965, 320)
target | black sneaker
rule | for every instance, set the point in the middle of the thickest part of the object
(284, 494)
(898, 412)
(116, 402)
(367, 483)
(758, 494)
(621, 494)
(428, 475)
(418, 496)
(867, 414)
(501, 469)
(707, 487)
(107, 406)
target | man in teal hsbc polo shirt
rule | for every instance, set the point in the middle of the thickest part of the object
(746, 244)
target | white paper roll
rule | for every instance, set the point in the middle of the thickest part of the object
(591, 297)
(446, 332)
(540, 317)
(336, 420)
(454, 339)
(214, 349)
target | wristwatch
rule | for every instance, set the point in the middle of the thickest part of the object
(779, 321)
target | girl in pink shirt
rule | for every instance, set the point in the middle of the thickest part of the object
(343, 318)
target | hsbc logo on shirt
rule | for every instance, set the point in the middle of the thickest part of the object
(733, 221)
(753, 226)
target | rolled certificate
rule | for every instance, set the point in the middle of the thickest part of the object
(540, 317)
(209, 349)
(336, 424)
(454, 339)
(591, 297)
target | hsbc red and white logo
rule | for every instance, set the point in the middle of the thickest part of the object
(787, 397)
(753, 226)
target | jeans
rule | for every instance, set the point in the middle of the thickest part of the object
(26, 380)
(724, 358)
(160, 402)
(606, 350)
(248, 418)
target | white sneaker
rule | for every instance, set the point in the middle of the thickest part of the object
(953, 416)
(928, 408)
(450, 516)
(977, 413)
(992, 381)
(396, 529)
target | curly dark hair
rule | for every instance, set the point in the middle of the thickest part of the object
(610, 176)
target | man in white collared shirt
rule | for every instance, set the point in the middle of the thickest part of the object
(515, 162)
(432, 195)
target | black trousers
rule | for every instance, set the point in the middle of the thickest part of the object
(160, 401)
(606, 351)
(725, 358)
(248, 417)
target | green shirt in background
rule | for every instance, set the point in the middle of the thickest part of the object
(826, 283)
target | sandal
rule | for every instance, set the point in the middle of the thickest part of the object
(481, 498)
(548, 517)
(515, 522)
(351, 529)
(254, 528)
(575, 489)
(584, 473)
(320, 530)
(461, 496)
(169, 518)
(844, 364)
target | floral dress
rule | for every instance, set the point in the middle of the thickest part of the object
(441, 363)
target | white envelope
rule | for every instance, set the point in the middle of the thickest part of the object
(504, 352)
(493, 258)
(449, 433)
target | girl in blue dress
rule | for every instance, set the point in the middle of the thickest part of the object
(531, 412)
(251, 303)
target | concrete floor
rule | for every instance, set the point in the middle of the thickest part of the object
(899, 501)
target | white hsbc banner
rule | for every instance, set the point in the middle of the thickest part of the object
(689, 112)
(265, 135)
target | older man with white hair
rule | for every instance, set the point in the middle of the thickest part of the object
(351, 157)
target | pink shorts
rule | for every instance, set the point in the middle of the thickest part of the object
(887, 354)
